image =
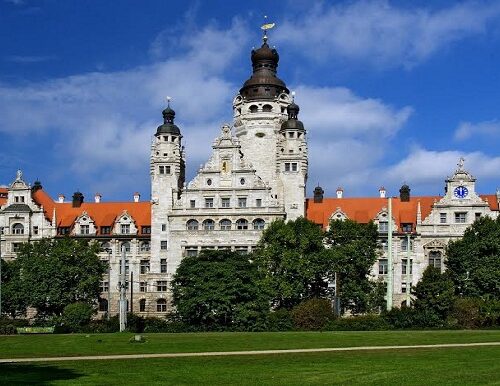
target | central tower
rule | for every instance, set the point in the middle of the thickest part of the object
(260, 109)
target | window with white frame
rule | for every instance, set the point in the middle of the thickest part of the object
(125, 229)
(443, 218)
(435, 259)
(192, 225)
(209, 202)
(225, 224)
(208, 225)
(161, 286)
(161, 305)
(242, 202)
(225, 202)
(383, 226)
(163, 245)
(18, 229)
(84, 229)
(144, 266)
(259, 224)
(143, 286)
(145, 246)
(460, 217)
(404, 267)
(383, 267)
(242, 224)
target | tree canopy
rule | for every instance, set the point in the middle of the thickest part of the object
(473, 262)
(353, 248)
(294, 261)
(219, 289)
(58, 272)
(434, 292)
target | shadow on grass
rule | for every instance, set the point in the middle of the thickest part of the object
(22, 374)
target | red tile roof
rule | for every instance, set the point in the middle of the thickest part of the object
(366, 209)
(3, 196)
(103, 213)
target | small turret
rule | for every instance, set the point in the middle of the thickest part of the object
(77, 200)
(318, 194)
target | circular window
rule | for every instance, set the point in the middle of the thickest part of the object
(125, 219)
(84, 218)
(260, 135)
(242, 181)
(209, 182)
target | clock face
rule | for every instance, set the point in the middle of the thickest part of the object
(461, 192)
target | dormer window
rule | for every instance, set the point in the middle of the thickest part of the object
(84, 229)
(383, 226)
(18, 229)
(125, 229)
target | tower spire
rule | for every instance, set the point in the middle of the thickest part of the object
(265, 27)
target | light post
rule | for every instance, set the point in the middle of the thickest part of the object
(123, 294)
(408, 269)
(389, 256)
(1, 232)
(109, 251)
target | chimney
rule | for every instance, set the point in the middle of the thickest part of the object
(97, 198)
(77, 199)
(137, 197)
(404, 193)
(318, 194)
(60, 198)
(382, 192)
(340, 192)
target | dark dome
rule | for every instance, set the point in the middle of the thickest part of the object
(293, 121)
(263, 84)
(168, 126)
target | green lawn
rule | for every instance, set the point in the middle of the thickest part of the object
(438, 366)
(95, 344)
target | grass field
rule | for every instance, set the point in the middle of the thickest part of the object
(438, 366)
(18, 346)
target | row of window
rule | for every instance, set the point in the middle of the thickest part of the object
(225, 224)
(434, 261)
(125, 229)
(144, 246)
(225, 202)
(460, 217)
(194, 250)
(161, 305)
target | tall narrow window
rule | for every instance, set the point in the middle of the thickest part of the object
(242, 202)
(383, 267)
(125, 229)
(163, 265)
(145, 266)
(435, 259)
(142, 305)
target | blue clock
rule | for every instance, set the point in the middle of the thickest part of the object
(461, 192)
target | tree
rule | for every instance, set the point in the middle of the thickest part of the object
(473, 262)
(294, 261)
(434, 292)
(354, 250)
(58, 272)
(219, 289)
(13, 298)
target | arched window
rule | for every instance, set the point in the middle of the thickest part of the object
(192, 225)
(161, 305)
(142, 305)
(103, 305)
(126, 245)
(242, 224)
(208, 225)
(267, 108)
(145, 246)
(435, 259)
(253, 108)
(225, 225)
(106, 246)
(258, 223)
(18, 229)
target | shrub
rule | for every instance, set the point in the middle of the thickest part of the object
(312, 314)
(163, 325)
(279, 320)
(77, 315)
(8, 329)
(402, 318)
(368, 322)
(490, 309)
(135, 323)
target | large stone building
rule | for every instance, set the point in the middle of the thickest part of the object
(257, 173)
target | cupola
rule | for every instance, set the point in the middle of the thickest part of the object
(293, 121)
(168, 126)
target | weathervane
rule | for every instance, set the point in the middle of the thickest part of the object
(169, 98)
(265, 27)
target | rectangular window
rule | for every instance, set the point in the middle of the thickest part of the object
(104, 286)
(291, 134)
(294, 166)
(162, 169)
(146, 230)
(461, 217)
(258, 202)
(191, 251)
(167, 169)
(163, 265)
(383, 226)
(35, 230)
(105, 230)
(161, 286)
(287, 166)
(145, 266)
(242, 202)
(16, 247)
(383, 267)
(145, 246)
(63, 231)
(143, 286)
(443, 218)
(406, 227)
(84, 229)
(404, 266)
(163, 227)
(403, 287)
(125, 229)
(225, 202)
(478, 216)
(209, 202)
(192, 203)
(404, 245)
(163, 245)
(126, 267)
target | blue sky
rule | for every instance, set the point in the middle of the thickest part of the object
(390, 92)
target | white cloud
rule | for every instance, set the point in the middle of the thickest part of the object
(427, 169)
(488, 129)
(381, 33)
(104, 121)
